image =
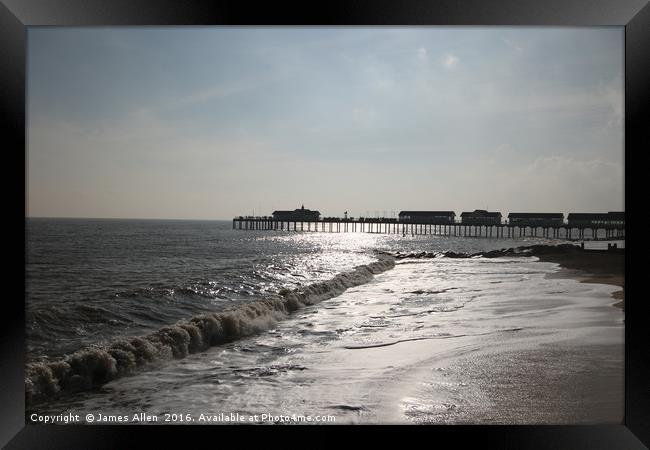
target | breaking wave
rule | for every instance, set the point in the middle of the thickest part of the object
(94, 366)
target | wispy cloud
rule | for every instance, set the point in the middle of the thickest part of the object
(555, 183)
(450, 61)
(423, 55)
(613, 96)
(517, 47)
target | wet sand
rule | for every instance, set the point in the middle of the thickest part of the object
(549, 379)
(556, 384)
(592, 266)
(577, 380)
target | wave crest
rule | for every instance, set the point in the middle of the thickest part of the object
(94, 366)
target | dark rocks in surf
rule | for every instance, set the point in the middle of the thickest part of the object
(531, 250)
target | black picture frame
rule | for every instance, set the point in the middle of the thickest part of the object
(17, 15)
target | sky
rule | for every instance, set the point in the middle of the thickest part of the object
(216, 122)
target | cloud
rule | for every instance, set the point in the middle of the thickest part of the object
(450, 61)
(227, 89)
(423, 55)
(544, 184)
(568, 184)
(613, 97)
(364, 116)
(513, 45)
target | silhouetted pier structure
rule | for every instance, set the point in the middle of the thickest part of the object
(581, 230)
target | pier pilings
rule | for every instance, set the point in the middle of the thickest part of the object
(451, 229)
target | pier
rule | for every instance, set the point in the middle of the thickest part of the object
(417, 228)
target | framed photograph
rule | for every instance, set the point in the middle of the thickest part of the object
(360, 213)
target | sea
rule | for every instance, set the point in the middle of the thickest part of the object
(194, 322)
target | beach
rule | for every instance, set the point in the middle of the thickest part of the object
(485, 333)
(574, 380)
(592, 266)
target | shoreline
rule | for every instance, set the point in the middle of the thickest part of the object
(553, 383)
(592, 266)
(576, 379)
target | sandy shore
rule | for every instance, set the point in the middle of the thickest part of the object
(574, 380)
(549, 384)
(592, 266)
